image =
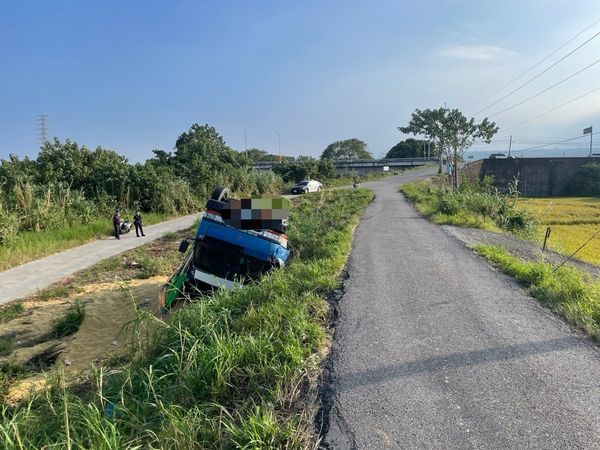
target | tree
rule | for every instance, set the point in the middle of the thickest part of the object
(203, 158)
(257, 155)
(108, 173)
(348, 149)
(410, 148)
(66, 163)
(305, 167)
(14, 170)
(450, 131)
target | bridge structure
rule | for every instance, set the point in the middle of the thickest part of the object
(362, 166)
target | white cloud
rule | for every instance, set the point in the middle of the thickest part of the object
(475, 52)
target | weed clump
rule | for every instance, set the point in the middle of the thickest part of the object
(11, 311)
(70, 322)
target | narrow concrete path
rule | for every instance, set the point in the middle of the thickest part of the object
(28, 278)
(434, 349)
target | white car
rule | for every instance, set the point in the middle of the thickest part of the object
(306, 186)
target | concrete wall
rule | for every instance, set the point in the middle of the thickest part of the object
(538, 177)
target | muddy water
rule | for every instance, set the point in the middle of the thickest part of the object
(108, 308)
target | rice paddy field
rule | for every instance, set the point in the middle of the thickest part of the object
(572, 222)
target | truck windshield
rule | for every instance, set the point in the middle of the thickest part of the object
(227, 261)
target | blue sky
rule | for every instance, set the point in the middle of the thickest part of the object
(133, 75)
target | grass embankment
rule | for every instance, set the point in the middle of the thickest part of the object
(570, 292)
(474, 206)
(31, 245)
(572, 221)
(225, 372)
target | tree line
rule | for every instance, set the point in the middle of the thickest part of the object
(69, 184)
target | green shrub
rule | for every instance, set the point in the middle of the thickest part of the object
(473, 205)
(585, 182)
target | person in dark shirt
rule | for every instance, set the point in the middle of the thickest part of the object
(117, 224)
(137, 221)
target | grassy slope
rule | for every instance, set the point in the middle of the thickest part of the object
(225, 372)
(423, 197)
(572, 221)
(33, 245)
(568, 291)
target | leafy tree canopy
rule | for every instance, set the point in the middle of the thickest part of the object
(305, 167)
(257, 155)
(450, 131)
(201, 155)
(347, 149)
(409, 148)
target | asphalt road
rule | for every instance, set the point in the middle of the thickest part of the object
(434, 349)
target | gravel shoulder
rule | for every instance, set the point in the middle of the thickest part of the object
(523, 249)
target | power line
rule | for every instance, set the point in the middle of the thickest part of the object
(552, 109)
(534, 66)
(553, 143)
(538, 75)
(546, 90)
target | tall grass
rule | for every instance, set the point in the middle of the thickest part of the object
(225, 372)
(31, 245)
(476, 205)
(568, 291)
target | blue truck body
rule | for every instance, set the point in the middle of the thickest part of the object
(222, 255)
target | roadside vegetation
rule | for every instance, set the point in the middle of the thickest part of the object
(232, 370)
(570, 292)
(70, 322)
(572, 222)
(473, 204)
(66, 196)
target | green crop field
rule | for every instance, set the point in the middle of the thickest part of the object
(572, 222)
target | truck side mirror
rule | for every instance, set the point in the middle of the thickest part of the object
(183, 245)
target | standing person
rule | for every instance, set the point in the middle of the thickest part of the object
(137, 221)
(117, 224)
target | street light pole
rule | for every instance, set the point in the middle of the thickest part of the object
(279, 144)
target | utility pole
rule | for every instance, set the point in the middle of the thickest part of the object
(279, 144)
(42, 129)
(441, 150)
(509, 145)
(589, 130)
(428, 150)
(245, 141)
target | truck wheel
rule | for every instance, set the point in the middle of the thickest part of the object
(220, 194)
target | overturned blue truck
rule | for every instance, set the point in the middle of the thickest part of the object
(237, 241)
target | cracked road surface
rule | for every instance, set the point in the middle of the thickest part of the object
(434, 349)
